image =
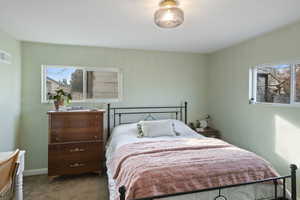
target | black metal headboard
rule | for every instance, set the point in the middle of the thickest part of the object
(119, 112)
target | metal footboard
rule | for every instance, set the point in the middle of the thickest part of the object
(276, 181)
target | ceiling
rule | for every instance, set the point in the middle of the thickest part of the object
(209, 24)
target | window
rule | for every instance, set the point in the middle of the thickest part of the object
(297, 80)
(84, 83)
(275, 84)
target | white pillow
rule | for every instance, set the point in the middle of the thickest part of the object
(157, 128)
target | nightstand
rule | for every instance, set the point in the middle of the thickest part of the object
(210, 132)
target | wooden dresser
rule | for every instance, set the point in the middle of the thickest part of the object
(76, 142)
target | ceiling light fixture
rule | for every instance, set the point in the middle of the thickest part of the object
(168, 15)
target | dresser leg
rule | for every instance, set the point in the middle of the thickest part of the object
(51, 178)
(100, 173)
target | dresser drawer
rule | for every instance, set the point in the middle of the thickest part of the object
(76, 120)
(73, 135)
(69, 127)
(69, 167)
(75, 152)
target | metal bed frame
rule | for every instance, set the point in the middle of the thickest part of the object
(119, 112)
(182, 110)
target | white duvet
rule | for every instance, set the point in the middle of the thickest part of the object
(126, 134)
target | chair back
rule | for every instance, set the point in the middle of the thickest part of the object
(8, 170)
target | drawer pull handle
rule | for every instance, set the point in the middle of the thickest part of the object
(95, 137)
(77, 165)
(77, 150)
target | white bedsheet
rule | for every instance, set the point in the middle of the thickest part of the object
(126, 134)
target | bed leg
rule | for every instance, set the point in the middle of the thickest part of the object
(185, 113)
(108, 121)
(293, 181)
(122, 191)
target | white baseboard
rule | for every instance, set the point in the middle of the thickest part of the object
(32, 172)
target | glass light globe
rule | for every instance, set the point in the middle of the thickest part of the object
(168, 16)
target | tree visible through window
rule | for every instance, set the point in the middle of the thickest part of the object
(275, 84)
(83, 83)
(69, 79)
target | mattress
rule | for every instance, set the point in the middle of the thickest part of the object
(126, 134)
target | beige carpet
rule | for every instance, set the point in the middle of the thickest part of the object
(81, 187)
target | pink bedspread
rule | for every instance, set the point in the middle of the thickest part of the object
(165, 167)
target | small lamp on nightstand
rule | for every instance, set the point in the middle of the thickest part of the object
(202, 124)
(203, 128)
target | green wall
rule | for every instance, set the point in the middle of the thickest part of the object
(215, 83)
(270, 131)
(149, 78)
(10, 99)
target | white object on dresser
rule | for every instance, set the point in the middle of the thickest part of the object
(19, 176)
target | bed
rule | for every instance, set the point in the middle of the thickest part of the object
(132, 177)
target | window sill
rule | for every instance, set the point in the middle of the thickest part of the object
(88, 101)
(294, 105)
